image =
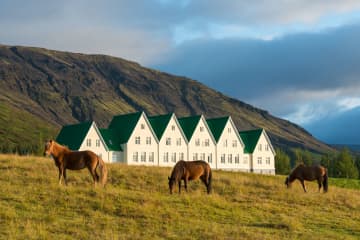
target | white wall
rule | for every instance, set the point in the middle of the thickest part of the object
(143, 131)
(263, 157)
(178, 145)
(197, 147)
(228, 148)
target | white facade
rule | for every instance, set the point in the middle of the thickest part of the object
(142, 146)
(263, 157)
(230, 150)
(94, 142)
(201, 146)
(172, 145)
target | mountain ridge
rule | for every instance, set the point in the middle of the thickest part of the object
(61, 88)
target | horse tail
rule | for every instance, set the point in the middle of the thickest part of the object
(209, 186)
(326, 181)
(103, 171)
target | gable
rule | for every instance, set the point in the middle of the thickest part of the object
(73, 135)
(124, 125)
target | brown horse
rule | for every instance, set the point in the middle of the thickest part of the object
(190, 170)
(309, 173)
(75, 160)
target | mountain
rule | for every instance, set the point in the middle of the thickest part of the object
(42, 89)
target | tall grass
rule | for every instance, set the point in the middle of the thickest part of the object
(136, 204)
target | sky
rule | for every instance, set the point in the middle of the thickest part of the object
(297, 59)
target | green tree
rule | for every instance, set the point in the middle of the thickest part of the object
(302, 156)
(282, 162)
(328, 161)
(345, 165)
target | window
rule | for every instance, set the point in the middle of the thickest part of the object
(237, 159)
(229, 130)
(166, 157)
(115, 157)
(260, 147)
(178, 142)
(225, 143)
(135, 156)
(207, 142)
(151, 157)
(143, 157)
(142, 126)
(137, 140)
(259, 160)
(230, 158)
(88, 142)
(97, 142)
(268, 161)
(197, 142)
(266, 147)
(201, 129)
(195, 156)
(234, 143)
(210, 158)
(245, 161)
(173, 127)
(173, 157)
(168, 141)
(148, 140)
(202, 156)
(222, 158)
(181, 156)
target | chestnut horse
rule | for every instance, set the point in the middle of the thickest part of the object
(190, 170)
(76, 160)
(309, 173)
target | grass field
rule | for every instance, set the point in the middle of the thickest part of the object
(136, 204)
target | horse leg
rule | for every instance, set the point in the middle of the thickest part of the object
(179, 183)
(319, 183)
(64, 176)
(60, 176)
(94, 175)
(303, 185)
(185, 183)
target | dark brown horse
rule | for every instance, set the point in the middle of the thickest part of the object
(190, 170)
(309, 173)
(76, 160)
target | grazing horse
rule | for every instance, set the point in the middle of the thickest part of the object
(76, 160)
(190, 170)
(309, 173)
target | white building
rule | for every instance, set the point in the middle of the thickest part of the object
(172, 141)
(137, 139)
(229, 146)
(259, 151)
(201, 143)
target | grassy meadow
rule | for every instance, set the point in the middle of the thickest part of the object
(136, 204)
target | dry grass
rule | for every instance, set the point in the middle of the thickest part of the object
(136, 205)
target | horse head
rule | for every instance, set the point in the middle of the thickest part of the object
(48, 147)
(171, 184)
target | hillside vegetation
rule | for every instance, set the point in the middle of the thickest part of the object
(136, 204)
(58, 88)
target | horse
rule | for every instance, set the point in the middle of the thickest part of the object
(309, 173)
(190, 170)
(76, 160)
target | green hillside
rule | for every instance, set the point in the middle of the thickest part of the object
(136, 204)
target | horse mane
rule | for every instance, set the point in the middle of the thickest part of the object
(178, 170)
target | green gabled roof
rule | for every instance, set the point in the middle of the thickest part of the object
(188, 125)
(217, 126)
(250, 139)
(159, 123)
(123, 126)
(73, 135)
(110, 139)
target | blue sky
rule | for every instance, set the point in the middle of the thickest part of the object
(300, 60)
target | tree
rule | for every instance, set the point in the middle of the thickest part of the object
(282, 162)
(304, 157)
(328, 161)
(345, 165)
